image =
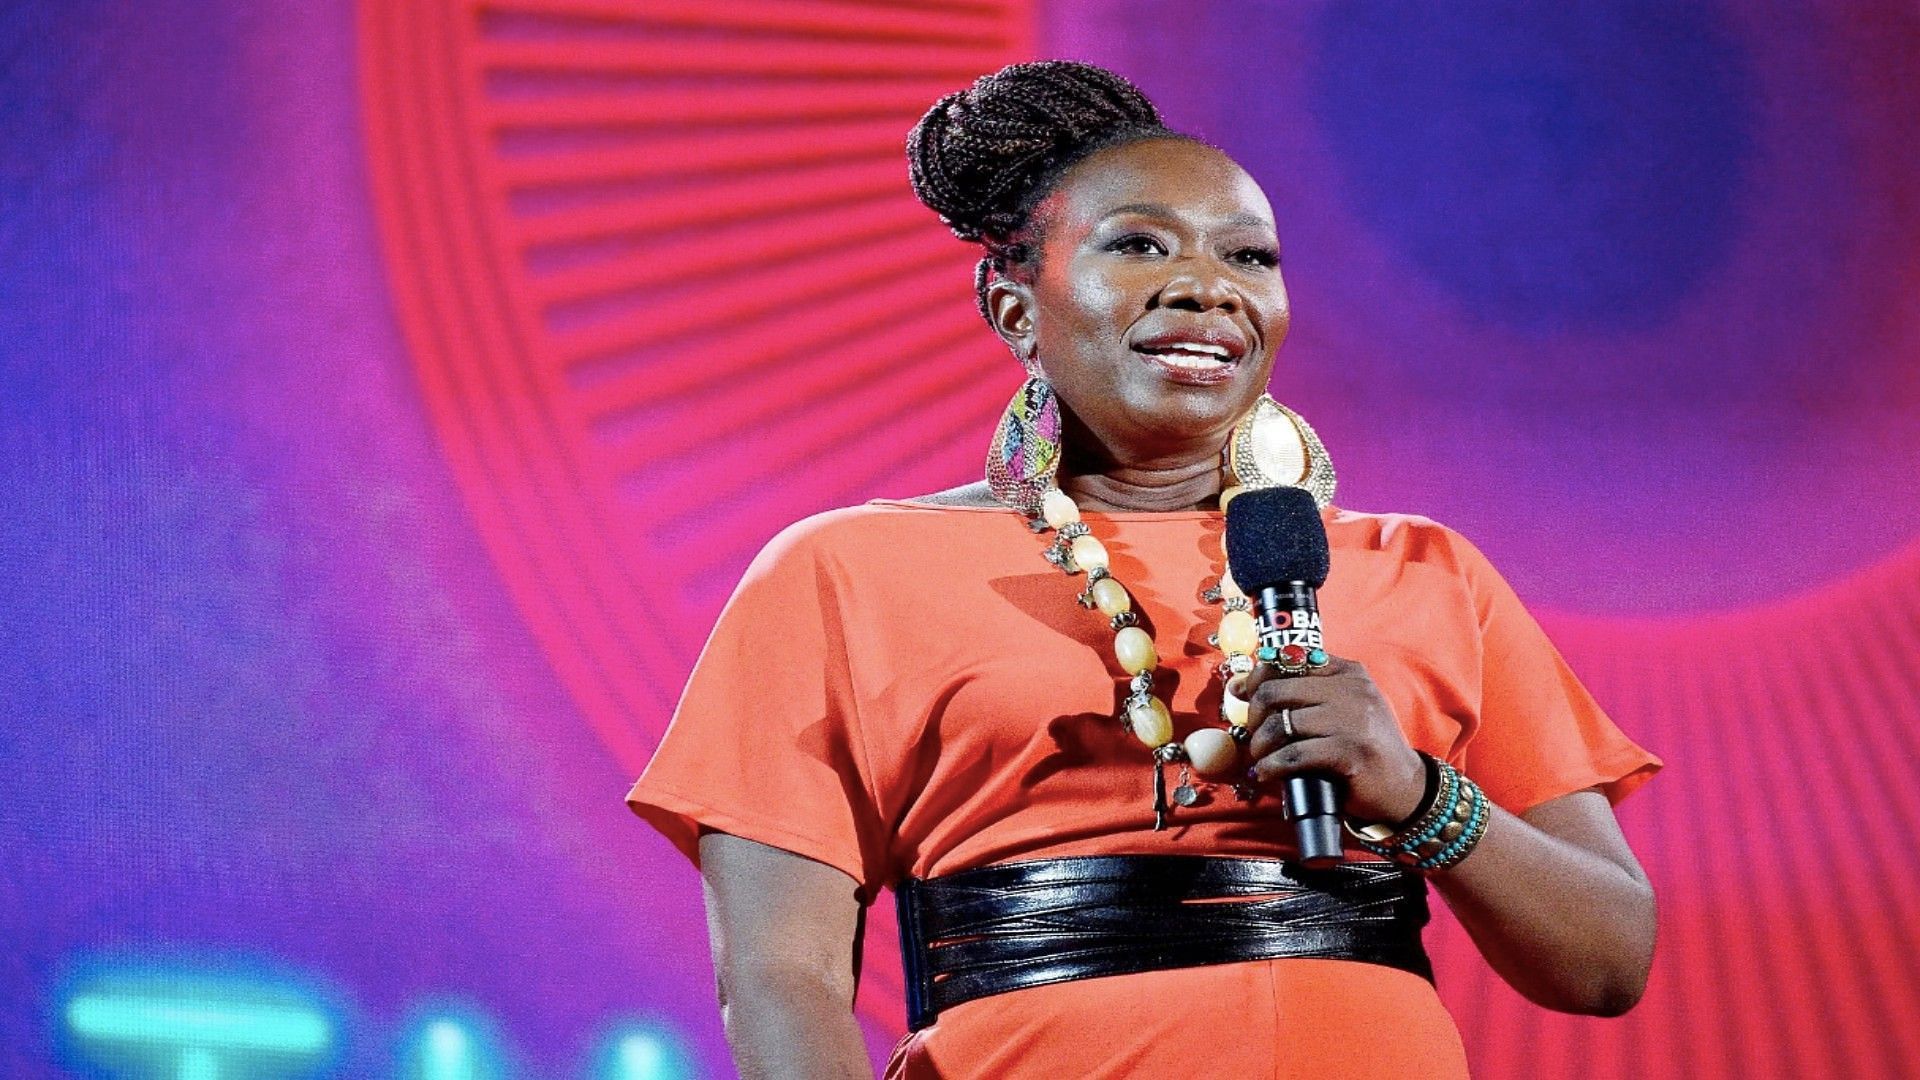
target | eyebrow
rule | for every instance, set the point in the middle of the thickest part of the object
(1158, 211)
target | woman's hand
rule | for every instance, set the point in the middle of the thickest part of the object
(1553, 898)
(1342, 726)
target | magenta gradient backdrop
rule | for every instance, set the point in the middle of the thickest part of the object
(393, 392)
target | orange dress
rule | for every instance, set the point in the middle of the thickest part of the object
(906, 689)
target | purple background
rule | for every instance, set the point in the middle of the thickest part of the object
(1622, 291)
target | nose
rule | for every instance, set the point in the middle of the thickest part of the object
(1198, 285)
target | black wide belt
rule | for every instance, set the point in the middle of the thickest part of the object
(1021, 924)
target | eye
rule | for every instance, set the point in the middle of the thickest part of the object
(1257, 256)
(1137, 244)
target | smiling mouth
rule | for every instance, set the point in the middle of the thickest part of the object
(1199, 361)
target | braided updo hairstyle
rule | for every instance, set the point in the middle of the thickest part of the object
(983, 158)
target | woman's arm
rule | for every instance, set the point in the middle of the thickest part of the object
(1558, 905)
(786, 946)
(1554, 900)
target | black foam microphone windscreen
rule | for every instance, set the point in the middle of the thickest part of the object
(1274, 535)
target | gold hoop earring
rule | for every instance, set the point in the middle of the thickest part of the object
(1273, 446)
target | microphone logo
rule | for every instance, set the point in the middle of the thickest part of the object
(1299, 626)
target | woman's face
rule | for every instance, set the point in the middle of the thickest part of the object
(1158, 304)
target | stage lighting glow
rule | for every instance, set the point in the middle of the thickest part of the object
(190, 1027)
(645, 1051)
(199, 1064)
(455, 1043)
(642, 1058)
(179, 1022)
(198, 1023)
(448, 1052)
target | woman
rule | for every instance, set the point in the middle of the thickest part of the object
(904, 692)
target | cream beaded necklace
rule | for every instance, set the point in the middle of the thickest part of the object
(1211, 751)
(1271, 445)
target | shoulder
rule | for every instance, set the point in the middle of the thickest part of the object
(976, 494)
(877, 529)
(872, 551)
(1411, 536)
(1410, 548)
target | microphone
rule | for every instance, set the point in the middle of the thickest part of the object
(1277, 553)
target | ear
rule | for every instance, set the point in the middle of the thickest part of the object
(1010, 305)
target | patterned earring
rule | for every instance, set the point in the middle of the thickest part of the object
(1025, 455)
(1273, 445)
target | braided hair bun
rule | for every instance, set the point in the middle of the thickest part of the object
(983, 157)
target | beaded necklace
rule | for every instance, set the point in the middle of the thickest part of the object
(1271, 445)
(1211, 751)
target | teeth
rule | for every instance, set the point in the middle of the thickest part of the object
(1195, 361)
(1214, 350)
(1193, 355)
(1193, 348)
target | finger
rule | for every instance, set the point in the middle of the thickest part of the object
(1295, 694)
(1321, 754)
(1286, 725)
(1297, 691)
(1242, 686)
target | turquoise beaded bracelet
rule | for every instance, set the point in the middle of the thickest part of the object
(1442, 832)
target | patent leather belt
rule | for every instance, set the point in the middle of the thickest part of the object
(999, 928)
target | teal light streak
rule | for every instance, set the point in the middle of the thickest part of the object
(228, 1025)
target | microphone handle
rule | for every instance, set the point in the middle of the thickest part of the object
(1289, 614)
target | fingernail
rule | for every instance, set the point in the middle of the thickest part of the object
(1253, 773)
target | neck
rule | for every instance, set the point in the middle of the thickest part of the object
(1158, 486)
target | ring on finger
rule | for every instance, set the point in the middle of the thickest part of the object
(1286, 722)
(1293, 659)
(1278, 660)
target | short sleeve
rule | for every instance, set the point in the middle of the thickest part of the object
(765, 741)
(1540, 734)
